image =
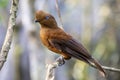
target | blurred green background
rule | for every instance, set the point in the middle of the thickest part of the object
(95, 23)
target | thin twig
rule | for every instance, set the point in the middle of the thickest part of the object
(8, 39)
(59, 15)
(111, 69)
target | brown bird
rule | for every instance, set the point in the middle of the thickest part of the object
(56, 40)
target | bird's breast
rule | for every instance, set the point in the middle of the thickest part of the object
(45, 35)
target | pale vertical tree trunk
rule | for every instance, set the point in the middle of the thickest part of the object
(35, 54)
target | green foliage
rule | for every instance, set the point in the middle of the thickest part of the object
(3, 3)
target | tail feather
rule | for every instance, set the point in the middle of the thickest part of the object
(95, 64)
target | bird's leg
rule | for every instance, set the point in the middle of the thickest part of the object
(60, 60)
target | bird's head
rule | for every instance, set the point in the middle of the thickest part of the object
(45, 19)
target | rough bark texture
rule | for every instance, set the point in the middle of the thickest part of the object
(8, 39)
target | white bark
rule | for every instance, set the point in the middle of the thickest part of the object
(8, 39)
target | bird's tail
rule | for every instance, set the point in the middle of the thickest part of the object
(96, 65)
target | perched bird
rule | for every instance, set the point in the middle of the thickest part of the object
(56, 40)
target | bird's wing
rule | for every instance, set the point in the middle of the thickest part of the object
(74, 49)
(71, 48)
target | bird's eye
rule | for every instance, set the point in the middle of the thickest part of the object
(47, 17)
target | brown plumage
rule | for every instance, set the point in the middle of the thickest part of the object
(56, 40)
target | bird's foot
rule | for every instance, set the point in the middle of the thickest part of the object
(60, 60)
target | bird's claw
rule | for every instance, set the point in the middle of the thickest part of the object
(60, 61)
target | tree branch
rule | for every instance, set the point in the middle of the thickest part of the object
(60, 61)
(8, 39)
(50, 68)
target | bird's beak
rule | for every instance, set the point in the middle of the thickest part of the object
(36, 21)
